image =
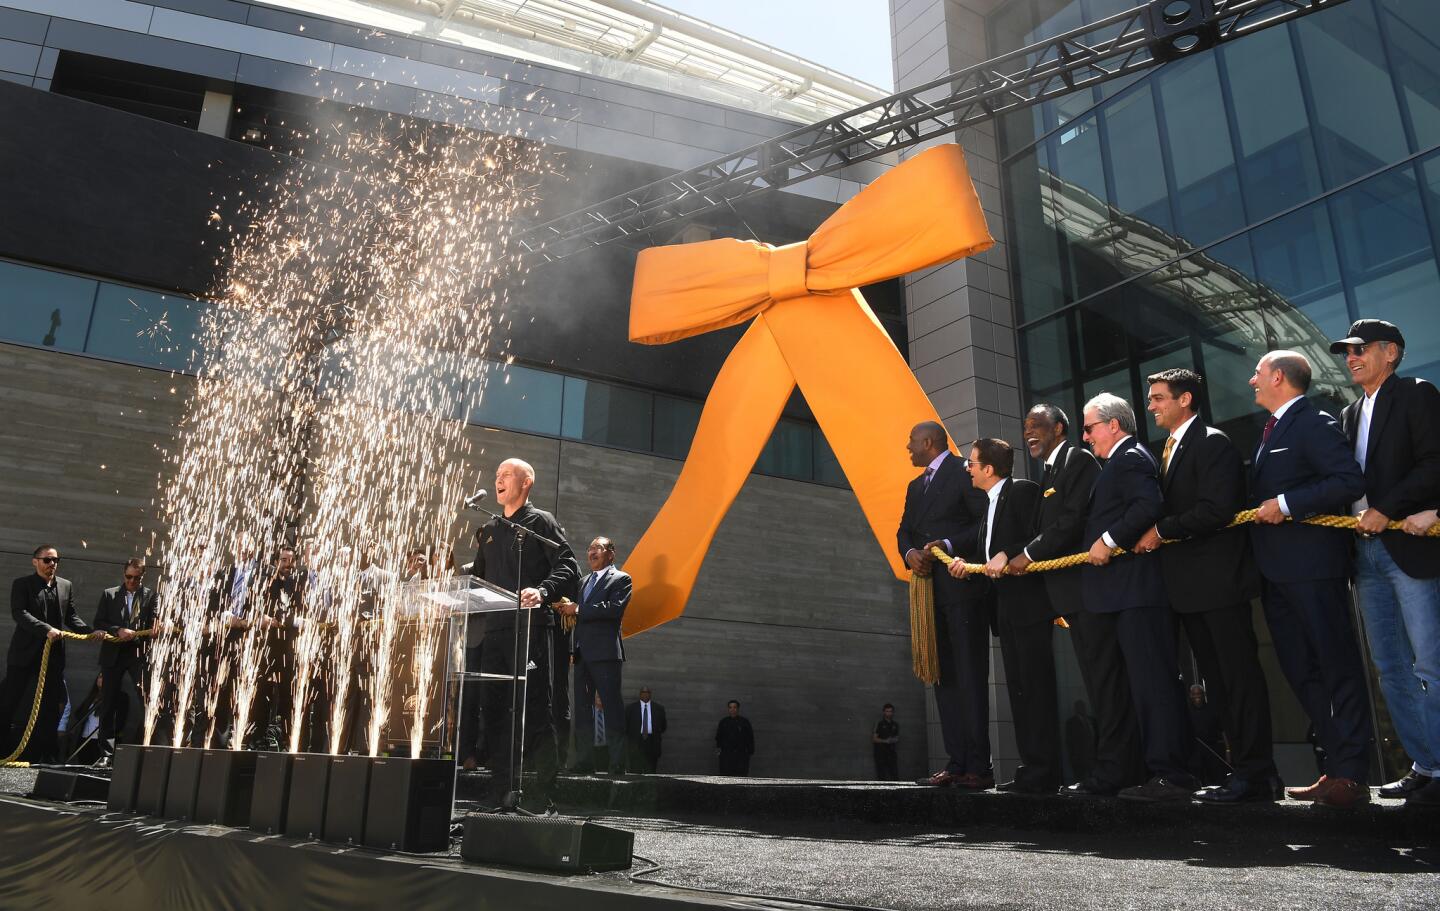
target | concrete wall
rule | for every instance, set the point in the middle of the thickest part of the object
(795, 613)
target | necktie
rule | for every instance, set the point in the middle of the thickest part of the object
(645, 718)
(1165, 456)
(929, 473)
(129, 605)
(590, 586)
(1269, 426)
(599, 727)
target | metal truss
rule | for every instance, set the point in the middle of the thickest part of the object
(1117, 46)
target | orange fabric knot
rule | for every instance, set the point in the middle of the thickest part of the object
(787, 271)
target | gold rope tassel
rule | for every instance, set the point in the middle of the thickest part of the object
(923, 656)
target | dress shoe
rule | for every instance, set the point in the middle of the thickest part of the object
(1244, 790)
(1159, 790)
(1091, 787)
(1412, 782)
(941, 779)
(1319, 788)
(1428, 796)
(1344, 794)
(1019, 786)
(971, 781)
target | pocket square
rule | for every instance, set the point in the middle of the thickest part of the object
(1049, 491)
(1281, 449)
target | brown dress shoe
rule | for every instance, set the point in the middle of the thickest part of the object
(1344, 794)
(942, 779)
(1313, 792)
(973, 782)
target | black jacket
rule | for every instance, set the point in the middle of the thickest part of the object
(33, 622)
(1020, 600)
(553, 571)
(1064, 503)
(1126, 502)
(1402, 464)
(950, 508)
(1204, 488)
(657, 724)
(110, 616)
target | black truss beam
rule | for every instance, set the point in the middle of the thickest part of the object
(1117, 46)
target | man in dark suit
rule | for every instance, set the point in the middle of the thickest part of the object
(1305, 467)
(42, 604)
(1025, 616)
(1065, 485)
(734, 741)
(1394, 431)
(600, 655)
(942, 508)
(123, 610)
(645, 731)
(1210, 579)
(545, 574)
(1125, 598)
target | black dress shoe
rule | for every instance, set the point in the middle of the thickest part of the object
(1242, 790)
(1428, 796)
(1091, 787)
(1159, 790)
(1019, 786)
(1412, 782)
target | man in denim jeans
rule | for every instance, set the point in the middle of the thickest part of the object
(1395, 429)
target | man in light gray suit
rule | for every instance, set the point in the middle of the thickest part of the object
(599, 656)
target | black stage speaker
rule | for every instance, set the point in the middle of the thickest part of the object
(309, 784)
(556, 843)
(227, 785)
(345, 805)
(154, 776)
(1181, 27)
(54, 784)
(409, 806)
(184, 783)
(271, 798)
(124, 778)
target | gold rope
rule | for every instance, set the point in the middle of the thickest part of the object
(10, 762)
(923, 656)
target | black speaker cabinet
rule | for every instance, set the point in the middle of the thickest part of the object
(54, 784)
(154, 777)
(271, 798)
(409, 805)
(309, 789)
(555, 843)
(184, 783)
(124, 777)
(227, 785)
(345, 804)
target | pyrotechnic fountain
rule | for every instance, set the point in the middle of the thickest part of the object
(334, 378)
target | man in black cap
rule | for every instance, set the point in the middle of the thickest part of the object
(1394, 428)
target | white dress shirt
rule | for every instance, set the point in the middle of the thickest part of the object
(994, 494)
(1362, 443)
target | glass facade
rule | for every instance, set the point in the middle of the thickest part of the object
(48, 309)
(1259, 195)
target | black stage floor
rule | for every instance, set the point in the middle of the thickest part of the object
(765, 844)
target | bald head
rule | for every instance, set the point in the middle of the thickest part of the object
(1279, 377)
(513, 480)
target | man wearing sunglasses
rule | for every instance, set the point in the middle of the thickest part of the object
(123, 610)
(42, 604)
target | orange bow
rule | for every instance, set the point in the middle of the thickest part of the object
(810, 327)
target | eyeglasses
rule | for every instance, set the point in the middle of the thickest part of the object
(48, 560)
(970, 462)
(130, 578)
(1095, 424)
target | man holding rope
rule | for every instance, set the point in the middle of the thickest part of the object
(42, 603)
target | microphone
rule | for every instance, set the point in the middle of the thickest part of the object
(474, 499)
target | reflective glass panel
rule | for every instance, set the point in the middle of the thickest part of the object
(1295, 260)
(675, 423)
(40, 307)
(1412, 28)
(790, 451)
(1206, 187)
(519, 398)
(1079, 203)
(1039, 279)
(602, 413)
(1136, 161)
(146, 327)
(1045, 348)
(827, 467)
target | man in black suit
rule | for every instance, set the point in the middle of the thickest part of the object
(1066, 483)
(734, 741)
(1305, 467)
(645, 731)
(1394, 431)
(1025, 616)
(1125, 598)
(123, 610)
(42, 604)
(1210, 579)
(545, 574)
(942, 508)
(600, 655)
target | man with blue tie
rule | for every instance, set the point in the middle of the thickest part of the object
(1125, 599)
(599, 656)
(1305, 467)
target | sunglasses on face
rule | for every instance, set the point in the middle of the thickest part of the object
(48, 560)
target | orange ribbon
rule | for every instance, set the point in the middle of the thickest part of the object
(812, 328)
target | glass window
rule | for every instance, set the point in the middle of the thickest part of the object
(1045, 348)
(1357, 124)
(1080, 202)
(1039, 279)
(1135, 159)
(675, 423)
(519, 398)
(602, 413)
(789, 452)
(146, 327)
(40, 307)
(827, 467)
(1206, 188)
(1278, 166)
(1295, 260)
(1411, 28)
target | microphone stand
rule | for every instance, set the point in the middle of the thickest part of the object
(520, 687)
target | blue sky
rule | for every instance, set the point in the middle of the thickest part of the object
(851, 36)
